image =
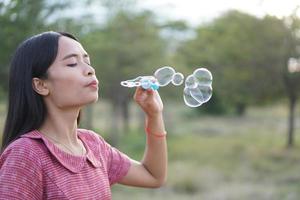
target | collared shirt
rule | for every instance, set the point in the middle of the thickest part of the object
(32, 167)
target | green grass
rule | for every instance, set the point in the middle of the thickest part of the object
(217, 157)
(237, 167)
(224, 157)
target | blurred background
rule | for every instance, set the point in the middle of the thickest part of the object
(244, 143)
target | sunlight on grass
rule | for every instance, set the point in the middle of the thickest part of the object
(215, 157)
(224, 158)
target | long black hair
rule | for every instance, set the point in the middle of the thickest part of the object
(26, 108)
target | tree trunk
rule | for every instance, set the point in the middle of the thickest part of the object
(240, 109)
(125, 114)
(116, 124)
(292, 106)
(291, 91)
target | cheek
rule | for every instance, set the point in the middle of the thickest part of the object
(64, 88)
(65, 85)
(71, 92)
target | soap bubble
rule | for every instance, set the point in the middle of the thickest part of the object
(164, 75)
(177, 78)
(190, 82)
(197, 86)
(188, 99)
(201, 93)
(202, 76)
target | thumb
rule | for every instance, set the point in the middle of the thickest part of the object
(140, 94)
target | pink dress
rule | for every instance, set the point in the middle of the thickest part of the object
(32, 167)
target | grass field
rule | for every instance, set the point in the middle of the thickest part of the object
(218, 157)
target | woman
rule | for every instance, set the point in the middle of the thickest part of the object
(45, 155)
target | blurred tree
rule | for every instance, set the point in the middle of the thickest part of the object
(127, 46)
(242, 52)
(18, 20)
(248, 57)
(291, 78)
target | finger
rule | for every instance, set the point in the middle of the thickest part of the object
(137, 91)
(150, 92)
(140, 94)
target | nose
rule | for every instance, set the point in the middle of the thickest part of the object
(89, 70)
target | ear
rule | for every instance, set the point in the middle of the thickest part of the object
(40, 86)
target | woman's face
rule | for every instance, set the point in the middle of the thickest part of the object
(71, 80)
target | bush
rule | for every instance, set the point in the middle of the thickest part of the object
(215, 106)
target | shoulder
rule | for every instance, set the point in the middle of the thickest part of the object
(22, 150)
(20, 170)
(22, 145)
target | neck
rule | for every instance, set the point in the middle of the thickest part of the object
(61, 126)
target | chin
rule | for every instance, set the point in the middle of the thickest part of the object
(80, 102)
(94, 100)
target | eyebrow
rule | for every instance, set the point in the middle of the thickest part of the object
(85, 55)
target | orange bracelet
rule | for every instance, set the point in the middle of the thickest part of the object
(156, 135)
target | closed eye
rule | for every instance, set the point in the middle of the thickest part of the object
(72, 65)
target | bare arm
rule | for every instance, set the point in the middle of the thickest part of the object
(152, 170)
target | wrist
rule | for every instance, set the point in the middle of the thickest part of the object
(157, 134)
(154, 115)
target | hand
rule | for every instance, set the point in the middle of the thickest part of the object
(149, 100)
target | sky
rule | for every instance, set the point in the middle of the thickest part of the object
(196, 12)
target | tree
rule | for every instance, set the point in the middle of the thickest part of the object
(248, 57)
(18, 20)
(292, 79)
(241, 51)
(127, 46)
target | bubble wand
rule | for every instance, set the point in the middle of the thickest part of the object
(197, 90)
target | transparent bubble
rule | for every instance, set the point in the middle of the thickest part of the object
(188, 99)
(177, 78)
(164, 75)
(202, 93)
(190, 82)
(203, 76)
(197, 88)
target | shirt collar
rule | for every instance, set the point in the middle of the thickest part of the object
(69, 161)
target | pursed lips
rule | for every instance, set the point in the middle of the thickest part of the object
(93, 83)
